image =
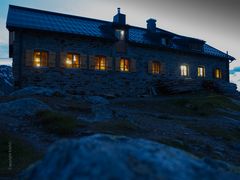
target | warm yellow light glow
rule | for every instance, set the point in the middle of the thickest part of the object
(201, 71)
(184, 70)
(124, 65)
(40, 59)
(100, 63)
(155, 68)
(72, 60)
(218, 73)
(68, 61)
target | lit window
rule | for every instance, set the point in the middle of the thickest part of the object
(218, 73)
(155, 67)
(201, 71)
(40, 59)
(120, 34)
(124, 65)
(184, 70)
(72, 61)
(100, 63)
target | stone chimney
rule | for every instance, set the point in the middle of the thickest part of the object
(151, 25)
(119, 18)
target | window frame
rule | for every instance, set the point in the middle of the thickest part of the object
(204, 71)
(126, 70)
(219, 74)
(72, 66)
(41, 58)
(182, 70)
(158, 69)
(120, 34)
(97, 58)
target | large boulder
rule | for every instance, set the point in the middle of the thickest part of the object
(111, 157)
(41, 91)
(100, 110)
(22, 107)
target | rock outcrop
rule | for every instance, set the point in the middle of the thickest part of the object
(100, 110)
(6, 79)
(114, 157)
(35, 90)
(22, 107)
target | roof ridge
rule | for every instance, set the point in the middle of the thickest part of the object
(87, 18)
(51, 26)
(57, 13)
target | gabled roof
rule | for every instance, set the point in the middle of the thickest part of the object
(27, 18)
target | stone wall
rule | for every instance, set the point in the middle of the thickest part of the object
(86, 81)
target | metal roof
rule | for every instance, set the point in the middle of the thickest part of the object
(27, 18)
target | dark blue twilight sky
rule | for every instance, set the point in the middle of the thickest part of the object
(215, 21)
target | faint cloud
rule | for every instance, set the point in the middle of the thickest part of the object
(3, 50)
(235, 78)
(3, 31)
(235, 70)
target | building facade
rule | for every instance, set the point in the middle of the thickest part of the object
(88, 56)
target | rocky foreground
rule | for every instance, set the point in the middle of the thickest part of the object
(194, 136)
(116, 157)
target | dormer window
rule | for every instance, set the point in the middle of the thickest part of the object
(120, 34)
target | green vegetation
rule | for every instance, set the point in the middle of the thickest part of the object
(192, 105)
(123, 127)
(15, 155)
(206, 105)
(56, 122)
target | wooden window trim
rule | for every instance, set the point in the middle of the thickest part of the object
(219, 76)
(98, 64)
(123, 68)
(72, 60)
(204, 71)
(182, 74)
(41, 52)
(156, 67)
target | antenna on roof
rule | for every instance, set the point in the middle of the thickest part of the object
(119, 10)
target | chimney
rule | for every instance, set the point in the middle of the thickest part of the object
(151, 25)
(119, 18)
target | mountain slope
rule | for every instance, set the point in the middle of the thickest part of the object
(6, 79)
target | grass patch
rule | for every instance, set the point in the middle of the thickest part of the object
(56, 122)
(192, 105)
(123, 127)
(206, 105)
(15, 155)
(217, 132)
